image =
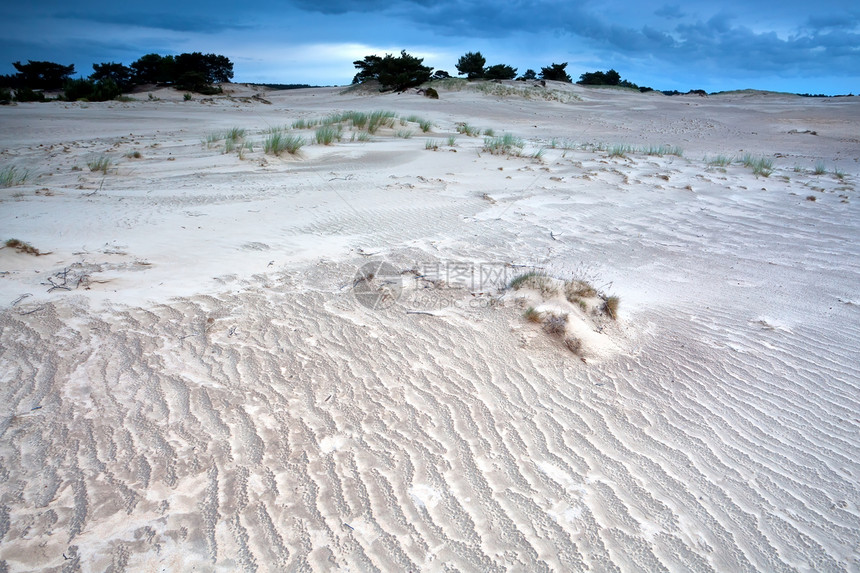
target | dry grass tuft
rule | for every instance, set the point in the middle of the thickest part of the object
(577, 289)
(610, 306)
(555, 325)
(23, 247)
(532, 315)
(573, 344)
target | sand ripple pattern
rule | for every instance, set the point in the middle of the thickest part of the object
(276, 430)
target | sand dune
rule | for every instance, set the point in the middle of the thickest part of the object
(205, 391)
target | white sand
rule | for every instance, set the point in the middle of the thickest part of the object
(207, 393)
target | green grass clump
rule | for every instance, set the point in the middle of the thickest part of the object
(11, 176)
(431, 144)
(452, 141)
(424, 124)
(380, 118)
(661, 150)
(532, 315)
(534, 280)
(101, 163)
(467, 129)
(489, 132)
(328, 134)
(403, 133)
(619, 150)
(838, 173)
(278, 142)
(235, 133)
(760, 165)
(506, 144)
(719, 161)
(820, 168)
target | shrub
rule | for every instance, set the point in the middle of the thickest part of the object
(5, 96)
(431, 93)
(25, 94)
(186, 97)
(277, 142)
(555, 324)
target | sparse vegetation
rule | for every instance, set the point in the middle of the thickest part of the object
(619, 150)
(535, 280)
(532, 315)
(719, 161)
(555, 324)
(506, 144)
(101, 163)
(22, 247)
(431, 144)
(328, 134)
(452, 141)
(610, 306)
(11, 176)
(577, 289)
(838, 173)
(661, 150)
(467, 129)
(760, 165)
(278, 142)
(403, 133)
(820, 168)
(133, 154)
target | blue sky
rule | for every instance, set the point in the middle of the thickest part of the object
(792, 45)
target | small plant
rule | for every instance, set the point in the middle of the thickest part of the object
(452, 141)
(101, 163)
(212, 138)
(378, 119)
(820, 168)
(811, 198)
(534, 280)
(23, 247)
(279, 142)
(467, 129)
(575, 290)
(760, 165)
(555, 324)
(719, 161)
(403, 133)
(11, 176)
(539, 153)
(328, 134)
(431, 144)
(573, 344)
(506, 144)
(431, 93)
(619, 150)
(235, 133)
(363, 137)
(133, 154)
(610, 306)
(186, 97)
(489, 132)
(532, 315)
(838, 173)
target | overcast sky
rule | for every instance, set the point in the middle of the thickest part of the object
(791, 45)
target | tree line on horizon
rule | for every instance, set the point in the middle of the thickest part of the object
(193, 72)
(397, 73)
